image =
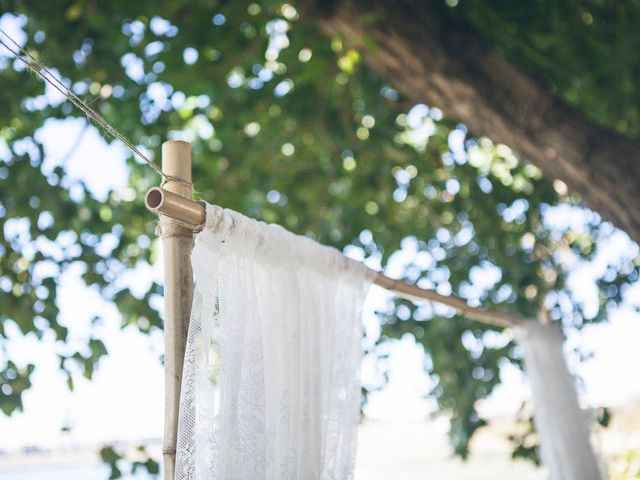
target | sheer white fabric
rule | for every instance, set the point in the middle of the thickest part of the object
(271, 376)
(561, 424)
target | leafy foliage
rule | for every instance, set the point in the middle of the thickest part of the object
(584, 50)
(626, 466)
(131, 462)
(14, 381)
(289, 127)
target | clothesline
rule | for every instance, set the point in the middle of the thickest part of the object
(192, 215)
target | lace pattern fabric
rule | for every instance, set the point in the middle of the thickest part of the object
(271, 376)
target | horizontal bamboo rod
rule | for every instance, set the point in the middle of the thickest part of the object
(177, 207)
(193, 215)
(414, 293)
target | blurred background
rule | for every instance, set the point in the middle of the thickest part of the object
(290, 125)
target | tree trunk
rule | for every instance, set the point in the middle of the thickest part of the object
(429, 56)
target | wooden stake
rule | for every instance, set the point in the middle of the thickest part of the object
(177, 242)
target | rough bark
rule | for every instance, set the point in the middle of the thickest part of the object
(421, 50)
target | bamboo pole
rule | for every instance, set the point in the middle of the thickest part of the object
(192, 215)
(177, 242)
(460, 305)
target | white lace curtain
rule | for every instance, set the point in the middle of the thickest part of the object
(561, 424)
(270, 387)
(271, 378)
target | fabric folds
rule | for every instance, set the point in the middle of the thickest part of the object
(270, 387)
(561, 424)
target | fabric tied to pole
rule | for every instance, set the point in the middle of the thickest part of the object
(271, 373)
(561, 424)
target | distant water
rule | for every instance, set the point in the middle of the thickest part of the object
(88, 471)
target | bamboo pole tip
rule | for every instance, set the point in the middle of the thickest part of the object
(178, 147)
(176, 143)
(176, 162)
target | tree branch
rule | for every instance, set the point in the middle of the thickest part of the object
(428, 55)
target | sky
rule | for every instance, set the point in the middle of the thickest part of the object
(124, 401)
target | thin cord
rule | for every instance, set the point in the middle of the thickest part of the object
(43, 72)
